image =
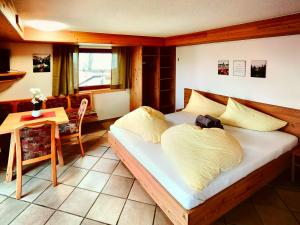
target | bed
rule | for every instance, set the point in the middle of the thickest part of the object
(266, 155)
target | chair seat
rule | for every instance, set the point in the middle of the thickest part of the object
(68, 128)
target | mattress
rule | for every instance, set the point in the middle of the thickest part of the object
(259, 149)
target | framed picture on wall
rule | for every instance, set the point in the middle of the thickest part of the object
(41, 63)
(239, 68)
(259, 68)
(223, 67)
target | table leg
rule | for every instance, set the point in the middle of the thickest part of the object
(59, 150)
(11, 158)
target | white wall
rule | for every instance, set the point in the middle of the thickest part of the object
(197, 68)
(108, 105)
(21, 59)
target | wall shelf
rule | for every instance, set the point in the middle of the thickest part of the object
(8, 79)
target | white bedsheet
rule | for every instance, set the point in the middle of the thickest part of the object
(259, 149)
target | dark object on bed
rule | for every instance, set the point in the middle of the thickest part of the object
(208, 121)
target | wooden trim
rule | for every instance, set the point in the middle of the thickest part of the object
(292, 116)
(280, 26)
(95, 50)
(94, 87)
(213, 208)
(33, 35)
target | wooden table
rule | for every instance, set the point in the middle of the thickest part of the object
(13, 120)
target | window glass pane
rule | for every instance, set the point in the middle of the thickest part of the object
(94, 69)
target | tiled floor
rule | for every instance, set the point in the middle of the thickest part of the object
(98, 189)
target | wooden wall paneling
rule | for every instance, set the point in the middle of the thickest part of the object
(136, 92)
(292, 116)
(285, 25)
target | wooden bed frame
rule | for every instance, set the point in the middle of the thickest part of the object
(216, 206)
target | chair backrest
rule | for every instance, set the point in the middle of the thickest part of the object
(81, 111)
(35, 141)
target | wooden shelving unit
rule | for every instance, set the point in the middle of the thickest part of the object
(8, 79)
(153, 82)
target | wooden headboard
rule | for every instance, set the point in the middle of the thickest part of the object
(292, 116)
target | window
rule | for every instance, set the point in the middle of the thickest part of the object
(94, 68)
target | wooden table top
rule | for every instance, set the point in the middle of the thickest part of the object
(13, 120)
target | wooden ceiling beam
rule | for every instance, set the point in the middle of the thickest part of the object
(280, 26)
(32, 35)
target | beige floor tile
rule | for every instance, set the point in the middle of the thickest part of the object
(118, 186)
(106, 209)
(47, 174)
(86, 162)
(137, 193)
(61, 218)
(290, 198)
(94, 181)
(268, 196)
(121, 170)
(161, 218)
(34, 214)
(33, 188)
(105, 165)
(136, 213)
(2, 198)
(91, 222)
(96, 150)
(53, 197)
(109, 154)
(72, 176)
(9, 209)
(10, 188)
(35, 169)
(274, 216)
(243, 214)
(79, 202)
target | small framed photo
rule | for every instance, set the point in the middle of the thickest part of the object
(41, 63)
(259, 68)
(223, 67)
(239, 68)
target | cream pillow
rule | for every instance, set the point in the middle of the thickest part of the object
(239, 115)
(200, 155)
(199, 104)
(144, 121)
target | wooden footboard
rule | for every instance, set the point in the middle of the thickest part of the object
(213, 208)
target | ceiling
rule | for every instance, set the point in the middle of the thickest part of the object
(161, 18)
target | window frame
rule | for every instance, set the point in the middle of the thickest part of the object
(94, 50)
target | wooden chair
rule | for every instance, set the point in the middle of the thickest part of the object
(73, 128)
(35, 142)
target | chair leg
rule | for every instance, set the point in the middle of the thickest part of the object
(53, 168)
(19, 176)
(81, 146)
(59, 153)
